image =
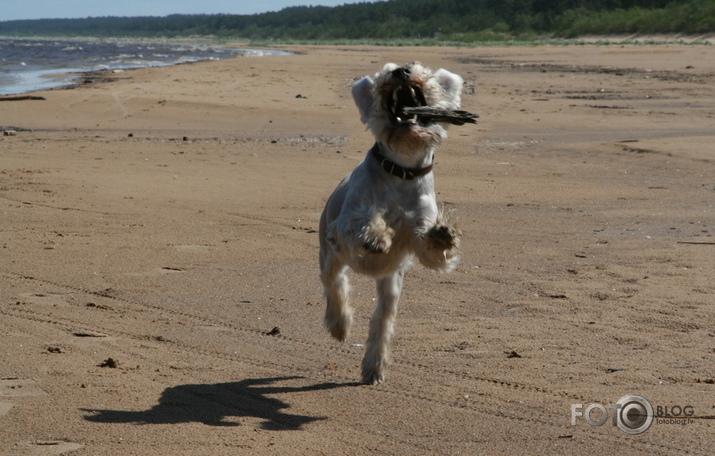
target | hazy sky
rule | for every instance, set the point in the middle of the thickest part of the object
(50, 9)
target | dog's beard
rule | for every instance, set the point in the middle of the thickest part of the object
(412, 140)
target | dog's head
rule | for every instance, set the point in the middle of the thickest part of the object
(385, 101)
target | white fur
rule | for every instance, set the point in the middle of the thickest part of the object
(375, 223)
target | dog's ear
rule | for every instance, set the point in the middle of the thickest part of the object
(362, 94)
(452, 85)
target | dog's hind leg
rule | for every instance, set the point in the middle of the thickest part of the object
(377, 355)
(338, 314)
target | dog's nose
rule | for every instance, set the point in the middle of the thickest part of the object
(402, 73)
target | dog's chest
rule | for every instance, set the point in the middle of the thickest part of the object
(409, 210)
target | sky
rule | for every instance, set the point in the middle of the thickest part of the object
(54, 9)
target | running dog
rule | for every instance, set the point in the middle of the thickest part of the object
(384, 212)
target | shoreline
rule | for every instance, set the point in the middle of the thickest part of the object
(56, 74)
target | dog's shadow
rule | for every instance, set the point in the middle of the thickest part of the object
(214, 404)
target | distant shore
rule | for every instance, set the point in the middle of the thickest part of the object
(48, 63)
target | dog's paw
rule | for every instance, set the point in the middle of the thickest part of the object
(438, 248)
(339, 331)
(338, 323)
(377, 245)
(377, 238)
(373, 374)
(372, 378)
(443, 237)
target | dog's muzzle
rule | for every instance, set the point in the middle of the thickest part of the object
(406, 94)
(405, 104)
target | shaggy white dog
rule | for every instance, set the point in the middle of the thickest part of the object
(384, 213)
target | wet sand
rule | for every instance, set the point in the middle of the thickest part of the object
(166, 219)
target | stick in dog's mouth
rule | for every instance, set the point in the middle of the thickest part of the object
(407, 105)
(428, 114)
(406, 94)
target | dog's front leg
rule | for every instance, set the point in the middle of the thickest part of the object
(382, 324)
(438, 245)
(375, 235)
(362, 232)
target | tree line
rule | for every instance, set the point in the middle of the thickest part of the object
(441, 20)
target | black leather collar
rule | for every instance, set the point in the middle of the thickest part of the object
(395, 169)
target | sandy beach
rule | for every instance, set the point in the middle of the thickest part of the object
(159, 290)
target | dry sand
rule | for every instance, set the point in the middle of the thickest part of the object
(167, 219)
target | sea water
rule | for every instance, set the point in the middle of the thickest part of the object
(28, 65)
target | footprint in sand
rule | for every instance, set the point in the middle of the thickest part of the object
(47, 299)
(193, 248)
(5, 408)
(155, 272)
(14, 387)
(47, 447)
